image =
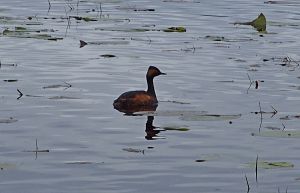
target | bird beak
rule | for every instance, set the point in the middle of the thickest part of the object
(163, 73)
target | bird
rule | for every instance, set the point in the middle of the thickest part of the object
(139, 100)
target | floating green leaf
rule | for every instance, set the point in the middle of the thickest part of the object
(260, 23)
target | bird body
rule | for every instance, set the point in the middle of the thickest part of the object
(134, 101)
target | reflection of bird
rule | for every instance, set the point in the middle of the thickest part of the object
(152, 131)
(134, 101)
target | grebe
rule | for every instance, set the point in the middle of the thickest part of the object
(135, 101)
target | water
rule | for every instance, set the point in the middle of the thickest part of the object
(209, 134)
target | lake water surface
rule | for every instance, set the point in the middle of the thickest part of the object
(215, 131)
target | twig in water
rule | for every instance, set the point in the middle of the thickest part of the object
(261, 117)
(274, 112)
(36, 148)
(36, 151)
(251, 82)
(248, 186)
(256, 163)
(49, 5)
(69, 22)
(100, 8)
(283, 126)
(20, 94)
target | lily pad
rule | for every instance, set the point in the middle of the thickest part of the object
(175, 29)
(270, 165)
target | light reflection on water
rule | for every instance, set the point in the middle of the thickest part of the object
(79, 125)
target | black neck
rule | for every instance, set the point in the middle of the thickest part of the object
(151, 86)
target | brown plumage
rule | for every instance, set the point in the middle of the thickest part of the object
(134, 101)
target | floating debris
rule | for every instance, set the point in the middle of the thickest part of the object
(66, 85)
(10, 80)
(134, 150)
(209, 117)
(177, 102)
(80, 162)
(175, 29)
(8, 120)
(270, 165)
(62, 97)
(22, 32)
(86, 19)
(107, 55)
(120, 42)
(278, 134)
(175, 128)
(200, 160)
(144, 10)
